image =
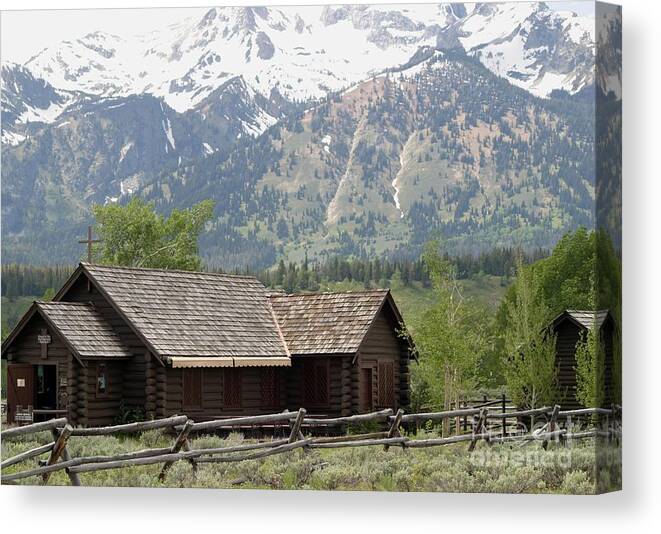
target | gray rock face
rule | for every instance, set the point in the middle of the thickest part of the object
(300, 24)
(333, 15)
(245, 19)
(265, 48)
(26, 102)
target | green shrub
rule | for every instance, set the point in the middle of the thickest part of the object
(577, 483)
(157, 438)
(366, 427)
(128, 414)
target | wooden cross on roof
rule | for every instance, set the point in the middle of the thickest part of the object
(89, 242)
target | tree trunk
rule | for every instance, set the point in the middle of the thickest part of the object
(447, 399)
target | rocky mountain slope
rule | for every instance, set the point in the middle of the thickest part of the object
(27, 100)
(441, 148)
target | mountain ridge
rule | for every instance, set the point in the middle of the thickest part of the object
(374, 167)
(302, 51)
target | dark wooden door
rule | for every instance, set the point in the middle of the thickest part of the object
(270, 387)
(45, 387)
(20, 388)
(366, 389)
(232, 394)
(386, 389)
(316, 384)
(192, 382)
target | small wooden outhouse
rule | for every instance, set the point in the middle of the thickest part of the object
(570, 327)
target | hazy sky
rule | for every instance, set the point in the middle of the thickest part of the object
(24, 33)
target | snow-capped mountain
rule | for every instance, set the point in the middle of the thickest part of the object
(532, 46)
(310, 125)
(306, 52)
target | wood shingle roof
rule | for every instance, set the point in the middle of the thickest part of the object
(194, 314)
(588, 318)
(327, 323)
(88, 333)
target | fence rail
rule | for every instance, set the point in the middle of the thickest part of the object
(59, 458)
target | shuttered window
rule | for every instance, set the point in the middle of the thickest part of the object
(315, 383)
(232, 388)
(270, 387)
(192, 379)
(386, 389)
(101, 380)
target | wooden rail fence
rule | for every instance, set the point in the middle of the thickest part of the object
(60, 459)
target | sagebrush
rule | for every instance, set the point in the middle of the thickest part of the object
(498, 468)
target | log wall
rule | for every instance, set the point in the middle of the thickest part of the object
(72, 391)
(81, 396)
(339, 394)
(608, 335)
(567, 335)
(102, 408)
(382, 344)
(150, 386)
(213, 393)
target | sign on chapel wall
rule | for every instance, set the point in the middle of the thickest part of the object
(44, 340)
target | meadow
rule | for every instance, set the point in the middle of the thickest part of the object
(500, 468)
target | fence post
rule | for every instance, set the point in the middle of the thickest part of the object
(394, 428)
(61, 439)
(478, 427)
(551, 424)
(295, 433)
(504, 420)
(73, 477)
(608, 423)
(181, 441)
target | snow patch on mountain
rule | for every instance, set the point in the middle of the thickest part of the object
(578, 28)
(325, 142)
(548, 82)
(404, 157)
(125, 150)
(45, 115)
(12, 138)
(259, 123)
(167, 129)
